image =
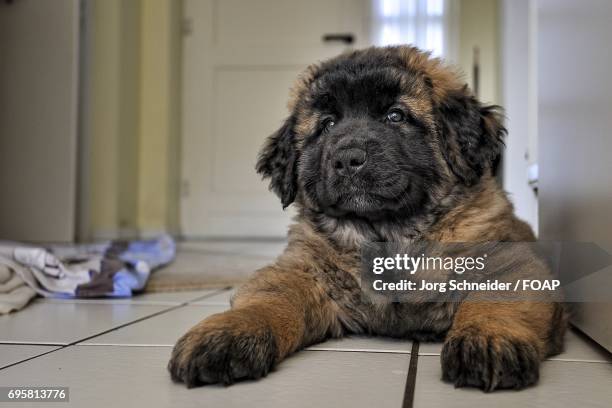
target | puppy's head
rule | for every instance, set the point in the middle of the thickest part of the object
(376, 132)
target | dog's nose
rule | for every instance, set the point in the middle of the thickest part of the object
(349, 161)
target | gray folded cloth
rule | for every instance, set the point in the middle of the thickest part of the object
(14, 293)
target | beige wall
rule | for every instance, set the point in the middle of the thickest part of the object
(133, 118)
(159, 113)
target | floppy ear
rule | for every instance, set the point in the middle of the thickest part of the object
(278, 161)
(471, 133)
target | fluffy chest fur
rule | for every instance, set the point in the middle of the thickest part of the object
(329, 249)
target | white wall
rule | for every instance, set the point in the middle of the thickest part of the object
(479, 28)
(575, 100)
(131, 119)
(519, 98)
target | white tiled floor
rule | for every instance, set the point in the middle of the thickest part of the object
(577, 348)
(222, 298)
(162, 330)
(136, 377)
(13, 353)
(65, 323)
(114, 353)
(366, 344)
(562, 384)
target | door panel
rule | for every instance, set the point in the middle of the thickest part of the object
(267, 23)
(239, 90)
(240, 59)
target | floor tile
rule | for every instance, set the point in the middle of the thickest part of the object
(12, 353)
(562, 384)
(162, 298)
(365, 344)
(221, 298)
(428, 349)
(137, 376)
(577, 348)
(166, 328)
(63, 323)
(161, 330)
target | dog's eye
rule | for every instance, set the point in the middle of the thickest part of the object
(395, 116)
(329, 124)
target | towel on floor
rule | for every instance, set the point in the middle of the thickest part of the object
(112, 269)
(14, 293)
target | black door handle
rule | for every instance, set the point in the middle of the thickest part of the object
(340, 37)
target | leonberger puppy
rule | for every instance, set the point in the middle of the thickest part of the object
(381, 145)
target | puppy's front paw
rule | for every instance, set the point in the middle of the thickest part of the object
(223, 348)
(471, 357)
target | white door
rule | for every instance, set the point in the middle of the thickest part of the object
(240, 59)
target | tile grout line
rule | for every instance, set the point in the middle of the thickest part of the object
(118, 327)
(408, 400)
(32, 358)
(336, 350)
(577, 360)
(34, 344)
(96, 335)
(328, 349)
(349, 350)
(125, 345)
(214, 293)
(186, 303)
(559, 359)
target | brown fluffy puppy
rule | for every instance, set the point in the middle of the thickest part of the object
(383, 144)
